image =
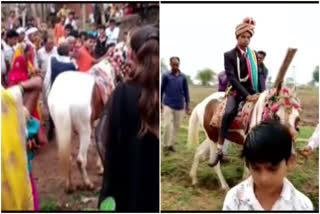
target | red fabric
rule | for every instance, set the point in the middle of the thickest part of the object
(19, 71)
(58, 32)
(85, 60)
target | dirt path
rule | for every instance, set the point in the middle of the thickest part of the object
(50, 183)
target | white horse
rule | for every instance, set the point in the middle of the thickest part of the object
(75, 102)
(201, 117)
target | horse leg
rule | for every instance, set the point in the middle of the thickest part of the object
(63, 125)
(213, 152)
(98, 160)
(99, 165)
(202, 150)
(217, 168)
(85, 137)
(224, 184)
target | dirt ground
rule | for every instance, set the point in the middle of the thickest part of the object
(310, 106)
(50, 181)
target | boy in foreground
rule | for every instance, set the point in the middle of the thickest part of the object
(268, 154)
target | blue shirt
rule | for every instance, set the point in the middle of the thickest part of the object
(174, 88)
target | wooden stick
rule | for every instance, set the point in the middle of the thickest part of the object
(284, 67)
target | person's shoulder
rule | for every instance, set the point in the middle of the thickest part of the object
(183, 75)
(301, 201)
(230, 52)
(237, 193)
(41, 50)
(234, 196)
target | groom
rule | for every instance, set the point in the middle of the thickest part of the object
(241, 68)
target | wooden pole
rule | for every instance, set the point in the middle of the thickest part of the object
(103, 18)
(83, 8)
(284, 67)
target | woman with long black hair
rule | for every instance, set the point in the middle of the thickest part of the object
(131, 176)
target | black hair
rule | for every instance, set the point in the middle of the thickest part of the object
(69, 27)
(268, 142)
(112, 20)
(45, 40)
(71, 13)
(174, 57)
(101, 27)
(263, 53)
(11, 34)
(90, 36)
(63, 50)
(83, 33)
(74, 33)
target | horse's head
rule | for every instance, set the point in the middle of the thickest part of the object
(285, 106)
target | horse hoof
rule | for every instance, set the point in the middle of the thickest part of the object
(80, 187)
(226, 189)
(69, 190)
(90, 186)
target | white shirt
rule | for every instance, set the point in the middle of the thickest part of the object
(242, 197)
(73, 23)
(314, 140)
(8, 52)
(44, 56)
(3, 64)
(112, 35)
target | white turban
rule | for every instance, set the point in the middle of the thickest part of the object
(31, 31)
(21, 30)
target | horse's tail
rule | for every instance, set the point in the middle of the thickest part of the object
(63, 126)
(193, 137)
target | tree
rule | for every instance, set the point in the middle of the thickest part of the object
(315, 74)
(206, 76)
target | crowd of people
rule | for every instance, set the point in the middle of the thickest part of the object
(32, 58)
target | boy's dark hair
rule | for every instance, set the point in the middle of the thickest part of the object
(174, 57)
(74, 33)
(83, 33)
(101, 27)
(69, 27)
(268, 142)
(90, 36)
(263, 53)
(12, 34)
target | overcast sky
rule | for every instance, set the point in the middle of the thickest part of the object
(200, 33)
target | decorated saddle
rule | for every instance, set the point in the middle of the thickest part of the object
(241, 121)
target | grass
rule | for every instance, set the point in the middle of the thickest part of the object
(49, 204)
(177, 193)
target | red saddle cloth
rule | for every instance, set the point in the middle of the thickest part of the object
(242, 120)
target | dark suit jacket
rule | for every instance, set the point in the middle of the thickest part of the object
(243, 89)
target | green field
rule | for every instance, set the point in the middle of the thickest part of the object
(177, 193)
